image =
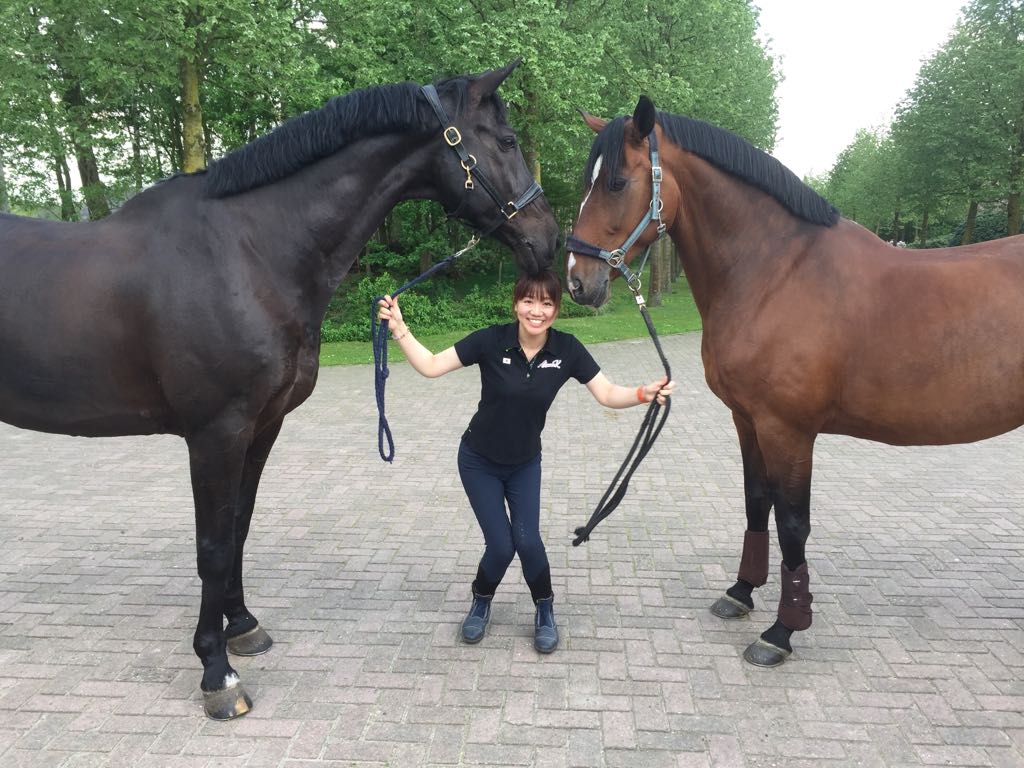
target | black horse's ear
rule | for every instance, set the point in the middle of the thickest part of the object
(643, 117)
(484, 86)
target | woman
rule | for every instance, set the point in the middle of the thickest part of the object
(522, 366)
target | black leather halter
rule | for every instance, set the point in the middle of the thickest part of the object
(453, 138)
(617, 257)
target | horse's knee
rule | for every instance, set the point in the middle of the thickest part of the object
(215, 561)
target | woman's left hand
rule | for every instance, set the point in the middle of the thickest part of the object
(662, 389)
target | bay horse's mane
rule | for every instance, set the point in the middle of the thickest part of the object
(312, 136)
(727, 152)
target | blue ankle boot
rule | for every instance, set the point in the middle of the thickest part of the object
(545, 633)
(475, 623)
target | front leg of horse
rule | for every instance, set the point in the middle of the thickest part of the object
(244, 634)
(789, 476)
(216, 458)
(738, 601)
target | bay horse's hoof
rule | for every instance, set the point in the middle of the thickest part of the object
(226, 704)
(727, 607)
(761, 653)
(251, 643)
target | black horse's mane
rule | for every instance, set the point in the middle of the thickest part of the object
(313, 135)
(726, 151)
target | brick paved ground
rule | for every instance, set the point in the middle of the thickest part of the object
(361, 570)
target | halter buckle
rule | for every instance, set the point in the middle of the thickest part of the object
(656, 173)
(452, 136)
(511, 207)
(615, 258)
(468, 165)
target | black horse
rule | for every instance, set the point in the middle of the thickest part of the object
(196, 308)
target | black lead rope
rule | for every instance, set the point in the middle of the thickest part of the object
(379, 334)
(649, 431)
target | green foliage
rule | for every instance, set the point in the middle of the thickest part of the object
(958, 136)
(989, 225)
(435, 306)
(263, 62)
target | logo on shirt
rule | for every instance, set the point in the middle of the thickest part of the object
(506, 361)
(550, 364)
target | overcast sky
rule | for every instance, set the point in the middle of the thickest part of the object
(846, 64)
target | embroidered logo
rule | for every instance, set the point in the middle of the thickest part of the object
(506, 361)
(550, 364)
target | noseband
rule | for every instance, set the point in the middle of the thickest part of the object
(617, 258)
(453, 138)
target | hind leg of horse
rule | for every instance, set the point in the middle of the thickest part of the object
(216, 457)
(788, 460)
(753, 571)
(244, 634)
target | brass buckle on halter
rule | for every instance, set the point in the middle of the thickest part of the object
(452, 136)
(511, 207)
(468, 168)
(615, 257)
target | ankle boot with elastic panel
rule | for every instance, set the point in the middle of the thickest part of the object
(475, 624)
(545, 632)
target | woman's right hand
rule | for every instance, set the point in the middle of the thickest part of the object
(390, 311)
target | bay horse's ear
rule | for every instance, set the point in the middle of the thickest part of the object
(484, 86)
(595, 123)
(643, 118)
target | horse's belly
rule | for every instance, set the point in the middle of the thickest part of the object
(74, 400)
(922, 423)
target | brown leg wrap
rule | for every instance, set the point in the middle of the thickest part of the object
(754, 562)
(795, 600)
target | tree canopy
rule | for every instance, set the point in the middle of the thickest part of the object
(127, 92)
(956, 144)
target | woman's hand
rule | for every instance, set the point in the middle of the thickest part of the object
(390, 311)
(662, 389)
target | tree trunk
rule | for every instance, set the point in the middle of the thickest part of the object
(972, 215)
(654, 286)
(93, 189)
(923, 236)
(136, 140)
(1013, 218)
(5, 199)
(67, 197)
(193, 144)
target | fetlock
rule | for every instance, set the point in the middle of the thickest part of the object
(545, 632)
(475, 624)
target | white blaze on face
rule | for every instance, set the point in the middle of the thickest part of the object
(571, 261)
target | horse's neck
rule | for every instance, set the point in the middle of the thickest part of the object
(329, 211)
(725, 231)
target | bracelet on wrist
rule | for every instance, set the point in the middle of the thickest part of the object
(400, 336)
(641, 395)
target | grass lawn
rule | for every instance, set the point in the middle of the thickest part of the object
(619, 319)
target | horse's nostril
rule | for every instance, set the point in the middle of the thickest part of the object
(575, 285)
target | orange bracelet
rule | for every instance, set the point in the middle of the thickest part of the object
(640, 394)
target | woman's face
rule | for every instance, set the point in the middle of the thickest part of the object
(535, 316)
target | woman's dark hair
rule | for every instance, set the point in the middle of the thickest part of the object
(544, 285)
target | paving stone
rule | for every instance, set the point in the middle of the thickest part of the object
(361, 572)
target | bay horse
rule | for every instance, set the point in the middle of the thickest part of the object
(196, 308)
(811, 323)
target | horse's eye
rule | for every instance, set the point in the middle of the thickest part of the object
(508, 142)
(617, 185)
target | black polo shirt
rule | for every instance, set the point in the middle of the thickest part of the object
(515, 395)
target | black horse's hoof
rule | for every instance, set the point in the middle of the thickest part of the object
(226, 704)
(727, 607)
(251, 643)
(761, 653)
